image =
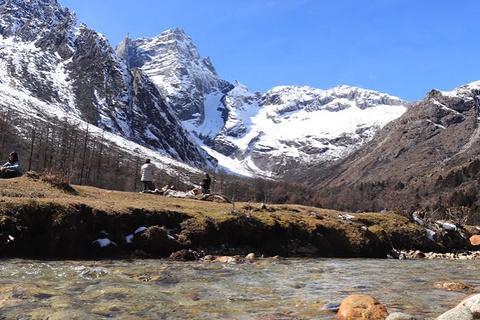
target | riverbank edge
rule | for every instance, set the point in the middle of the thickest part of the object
(83, 232)
(38, 220)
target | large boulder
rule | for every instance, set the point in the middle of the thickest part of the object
(185, 255)
(361, 307)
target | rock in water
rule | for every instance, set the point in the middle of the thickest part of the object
(453, 286)
(361, 307)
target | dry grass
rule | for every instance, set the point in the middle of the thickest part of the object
(25, 189)
(57, 181)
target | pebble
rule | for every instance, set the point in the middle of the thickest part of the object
(251, 256)
(331, 306)
(475, 240)
(228, 259)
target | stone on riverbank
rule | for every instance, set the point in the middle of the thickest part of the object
(361, 307)
(475, 240)
(250, 256)
(185, 255)
(228, 259)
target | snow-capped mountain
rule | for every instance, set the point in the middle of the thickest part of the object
(254, 134)
(52, 64)
(291, 127)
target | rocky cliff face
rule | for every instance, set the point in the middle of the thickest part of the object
(173, 63)
(42, 22)
(50, 63)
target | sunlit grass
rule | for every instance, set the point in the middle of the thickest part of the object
(25, 190)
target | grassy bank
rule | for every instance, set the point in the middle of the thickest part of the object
(45, 218)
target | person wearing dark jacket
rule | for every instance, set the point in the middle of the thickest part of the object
(12, 168)
(206, 184)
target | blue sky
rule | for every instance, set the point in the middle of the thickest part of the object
(401, 47)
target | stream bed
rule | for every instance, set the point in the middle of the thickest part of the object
(265, 289)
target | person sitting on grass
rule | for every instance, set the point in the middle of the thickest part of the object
(12, 168)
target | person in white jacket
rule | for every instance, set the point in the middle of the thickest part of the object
(12, 168)
(148, 170)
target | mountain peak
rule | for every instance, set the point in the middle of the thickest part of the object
(465, 90)
(177, 34)
(124, 47)
(180, 32)
(172, 61)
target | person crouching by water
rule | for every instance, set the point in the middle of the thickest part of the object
(12, 168)
(147, 176)
(206, 184)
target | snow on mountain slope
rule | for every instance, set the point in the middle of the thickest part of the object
(50, 70)
(36, 20)
(44, 71)
(464, 91)
(212, 121)
(291, 126)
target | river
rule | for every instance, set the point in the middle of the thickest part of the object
(265, 289)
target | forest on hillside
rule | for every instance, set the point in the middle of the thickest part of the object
(453, 196)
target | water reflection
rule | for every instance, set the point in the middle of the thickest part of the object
(265, 289)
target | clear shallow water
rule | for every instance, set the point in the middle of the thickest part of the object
(266, 289)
